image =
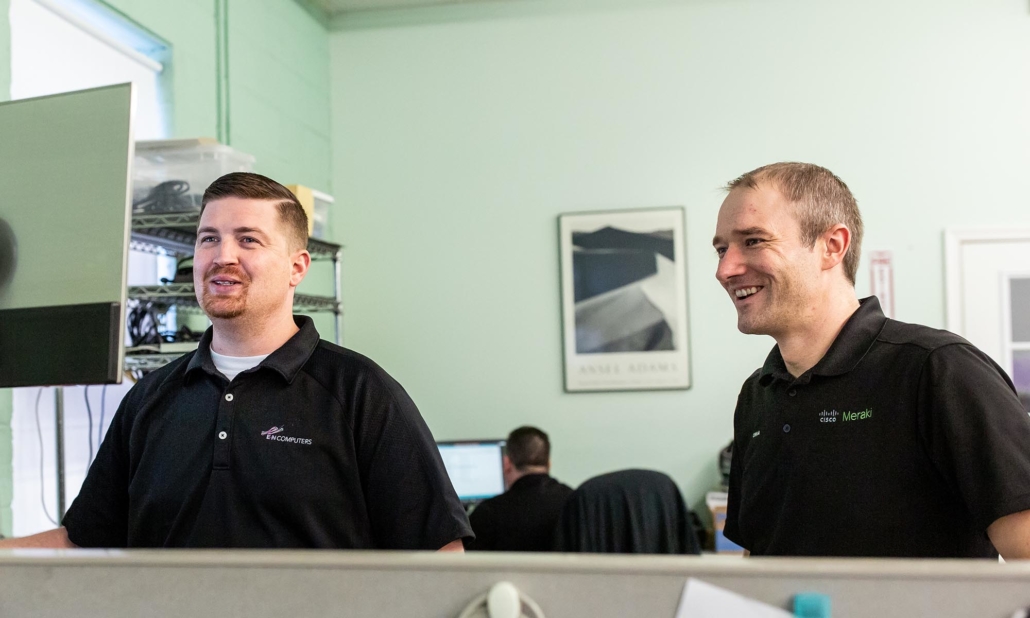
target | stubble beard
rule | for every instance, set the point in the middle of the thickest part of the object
(224, 307)
(782, 309)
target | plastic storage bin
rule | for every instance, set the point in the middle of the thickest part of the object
(316, 206)
(320, 222)
(171, 175)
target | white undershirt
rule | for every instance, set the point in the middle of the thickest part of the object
(232, 366)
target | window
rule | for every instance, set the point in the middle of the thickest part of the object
(1017, 341)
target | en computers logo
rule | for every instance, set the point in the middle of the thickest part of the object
(272, 434)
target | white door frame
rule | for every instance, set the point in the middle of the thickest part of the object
(954, 239)
(1009, 346)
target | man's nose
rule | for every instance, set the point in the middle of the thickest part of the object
(227, 253)
(731, 265)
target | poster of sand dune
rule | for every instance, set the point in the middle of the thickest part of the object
(624, 300)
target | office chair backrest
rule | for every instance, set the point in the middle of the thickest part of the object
(627, 512)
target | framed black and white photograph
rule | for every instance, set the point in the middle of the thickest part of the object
(624, 300)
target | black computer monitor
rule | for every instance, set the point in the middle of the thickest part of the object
(474, 467)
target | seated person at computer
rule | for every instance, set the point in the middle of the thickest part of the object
(524, 516)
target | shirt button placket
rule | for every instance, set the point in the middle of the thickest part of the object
(223, 428)
(791, 421)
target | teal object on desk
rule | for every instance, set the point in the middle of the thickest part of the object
(811, 605)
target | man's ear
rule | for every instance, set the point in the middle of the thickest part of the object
(506, 464)
(300, 266)
(835, 243)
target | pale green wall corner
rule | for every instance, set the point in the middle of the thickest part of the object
(189, 27)
(459, 136)
(279, 90)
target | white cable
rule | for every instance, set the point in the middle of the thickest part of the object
(480, 602)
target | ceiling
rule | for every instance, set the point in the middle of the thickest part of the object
(335, 8)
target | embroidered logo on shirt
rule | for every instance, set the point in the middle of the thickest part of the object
(272, 434)
(756, 434)
(858, 416)
(831, 416)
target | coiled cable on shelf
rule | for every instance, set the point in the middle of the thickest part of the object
(168, 196)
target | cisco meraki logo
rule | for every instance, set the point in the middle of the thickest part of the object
(831, 416)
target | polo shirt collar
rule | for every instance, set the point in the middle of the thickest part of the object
(850, 346)
(287, 361)
(528, 481)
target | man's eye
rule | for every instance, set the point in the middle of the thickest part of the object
(720, 251)
(751, 242)
(208, 238)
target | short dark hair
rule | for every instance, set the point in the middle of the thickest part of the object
(821, 198)
(257, 187)
(528, 446)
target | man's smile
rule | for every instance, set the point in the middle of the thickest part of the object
(742, 293)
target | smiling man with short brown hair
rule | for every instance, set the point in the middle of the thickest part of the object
(266, 436)
(860, 435)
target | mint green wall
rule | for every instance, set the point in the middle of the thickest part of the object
(189, 26)
(460, 134)
(279, 90)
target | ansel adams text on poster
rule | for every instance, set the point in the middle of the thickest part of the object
(624, 301)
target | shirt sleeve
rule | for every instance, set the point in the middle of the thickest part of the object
(976, 431)
(99, 515)
(410, 500)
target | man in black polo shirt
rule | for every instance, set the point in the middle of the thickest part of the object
(524, 516)
(861, 435)
(266, 436)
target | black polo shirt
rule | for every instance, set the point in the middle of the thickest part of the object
(902, 441)
(522, 518)
(315, 447)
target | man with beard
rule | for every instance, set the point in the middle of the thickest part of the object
(266, 436)
(860, 435)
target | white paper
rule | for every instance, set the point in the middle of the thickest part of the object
(703, 600)
(881, 272)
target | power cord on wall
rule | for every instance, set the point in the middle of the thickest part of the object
(42, 490)
(100, 426)
(89, 434)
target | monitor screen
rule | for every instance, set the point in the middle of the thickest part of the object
(474, 467)
(65, 163)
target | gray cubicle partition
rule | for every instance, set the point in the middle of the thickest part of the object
(358, 584)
